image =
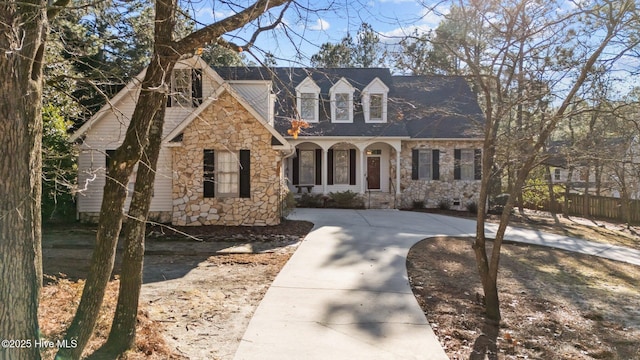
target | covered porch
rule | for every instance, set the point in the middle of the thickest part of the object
(366, 167)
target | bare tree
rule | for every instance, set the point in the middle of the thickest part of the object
(512, 49)
(143, 137)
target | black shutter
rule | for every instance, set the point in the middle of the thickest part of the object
(352, 166)
(415, 163)
(457, 156)
(245, 173)
(209, 167)
(477, 164)
(435, 158)
(109, 158)
(196, 87)
(318, 166)
(296, 168)
(330, 167)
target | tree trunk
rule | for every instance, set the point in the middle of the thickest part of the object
(552, 196)
(126, 156)
(123, 329)
(567, 190)
(22, 36)
(585, 206)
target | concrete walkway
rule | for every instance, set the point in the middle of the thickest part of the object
(344, 294)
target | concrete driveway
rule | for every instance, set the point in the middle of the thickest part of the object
(344, 294)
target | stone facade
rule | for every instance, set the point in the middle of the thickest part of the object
(432, 192)
(226, 126)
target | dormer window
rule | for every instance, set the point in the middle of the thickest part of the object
(375, 107)
(341, 101)
(374, 101)
(307, 94)
(341, 107)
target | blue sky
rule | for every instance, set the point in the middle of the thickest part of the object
(308, 30)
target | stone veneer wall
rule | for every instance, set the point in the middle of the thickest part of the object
(226, 126)
(434, 191)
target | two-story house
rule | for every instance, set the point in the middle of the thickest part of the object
(227, 157)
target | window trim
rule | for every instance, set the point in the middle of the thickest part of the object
(308, 86)
(475, 163)
(346, 166)
(235, 173)
(211, 173)
(375, 87)
(301, 98)
(341, 87)
(301, 167)
(434, 164)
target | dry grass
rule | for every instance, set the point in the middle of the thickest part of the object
(601, 231)
(554, 304)
(58, 302)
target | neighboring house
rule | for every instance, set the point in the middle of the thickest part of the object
(227, 157)
(614, 168)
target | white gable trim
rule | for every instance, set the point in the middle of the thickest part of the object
(308, 86)
(134, 85)
(375, 87)
(110, 106)
(226, 87)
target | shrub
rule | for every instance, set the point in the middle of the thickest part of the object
(444, 204)
(417, 204)
(310, 201)
(472, 207)
(346, 200)
(288, 204)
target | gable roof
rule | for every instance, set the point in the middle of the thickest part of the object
(278, 141)
(419, 106)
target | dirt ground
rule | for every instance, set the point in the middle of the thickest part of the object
(554, 304)
(199, 291)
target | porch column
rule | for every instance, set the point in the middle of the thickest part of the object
(325, 162)
(397, 171)
(363, 170)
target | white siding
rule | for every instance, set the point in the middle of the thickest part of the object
(91, 180)
(257, 94)
(108, 133)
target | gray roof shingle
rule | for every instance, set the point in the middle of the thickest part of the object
(418, 106)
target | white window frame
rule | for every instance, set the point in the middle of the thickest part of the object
(557, 174)
(341, 170)
(343, 88)
(310, 100)
(302, 167)
(467, 164)
(227, 174)
(425, 164)
(181, 95)
(306, 87)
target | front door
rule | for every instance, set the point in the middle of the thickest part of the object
(373, 173)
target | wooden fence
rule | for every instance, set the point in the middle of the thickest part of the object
(599, 207)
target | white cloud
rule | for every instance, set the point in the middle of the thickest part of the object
(320, 25)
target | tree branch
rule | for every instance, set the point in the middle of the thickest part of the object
(234, 22)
